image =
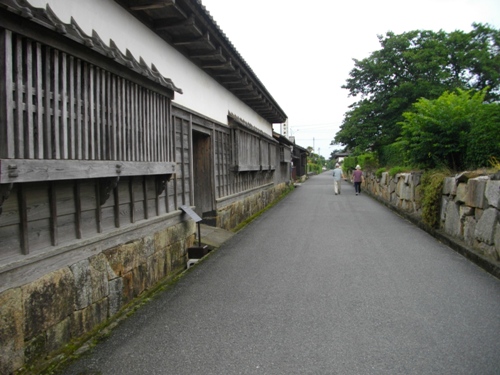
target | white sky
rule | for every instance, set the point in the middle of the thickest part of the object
(302, 51)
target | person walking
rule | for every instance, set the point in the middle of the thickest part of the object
(357, 178)
(338, 175)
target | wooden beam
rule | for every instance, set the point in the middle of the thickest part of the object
(153, 5)
(226, 66)
(26, 170)
(216, 55)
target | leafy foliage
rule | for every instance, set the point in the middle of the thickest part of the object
(448, 130)
(395, 170)
(413, 65)
(432, 186)
(484, 137)
(378, 172)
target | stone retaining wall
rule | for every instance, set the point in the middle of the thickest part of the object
(39, 318)
(470, 210)
(238, 210)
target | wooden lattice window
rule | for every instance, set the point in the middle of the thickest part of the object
(58, 108)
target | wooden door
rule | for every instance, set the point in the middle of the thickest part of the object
(202, 173)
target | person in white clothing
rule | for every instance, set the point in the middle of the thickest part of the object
(338, 175)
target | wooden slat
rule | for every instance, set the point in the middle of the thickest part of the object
(78, 210)
(98, 215)
(109, 154)
(7, 135)
(145, 191)
(78, 108)
(63, 140)
(39, 144)
(90, 149)
(140, 126)
(72, 139)
(167, 198)
(174, 147)
(23, 215)
(133, 121)
(132, 200)
(54, 234)
(117, 206)
(56, 152)
(120, 121)
(29, 145)
(156, 141)
(96, 139)
(19, 123)
(47, 115)
(183, 163)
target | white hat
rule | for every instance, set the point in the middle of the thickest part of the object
(337, 165)
(358, 167)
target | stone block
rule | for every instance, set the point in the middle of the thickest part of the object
(124, 258)
(100, 272)
(452, 224)
(178, 256)
(59, 335)
(115, 299)
(469, 230)
(444, 206)
(141, 279)
(47, 301)
(148, 246)
(417, 178)
(497, 240)
(384, 179)
(485, 228)
(475, 193)
(83, 284)
(466, 211)
(161, 240)
(157, 268)
(11, 331)
(449, 185)
(35, 348)
(492, 193)
(461, 192)
(392, 185)
(83, 321)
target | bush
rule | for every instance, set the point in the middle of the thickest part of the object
(314, 168)
(368, 161)
(395, 170)
(379, 172)
(432, 187)
(392, 155)
(349, 163)
(484, 137)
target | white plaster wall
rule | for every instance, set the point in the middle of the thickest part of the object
(200, 92)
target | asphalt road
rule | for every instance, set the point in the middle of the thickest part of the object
(319, 284)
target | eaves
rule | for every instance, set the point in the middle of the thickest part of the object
(188, 27)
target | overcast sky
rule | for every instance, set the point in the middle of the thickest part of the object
(302, 51)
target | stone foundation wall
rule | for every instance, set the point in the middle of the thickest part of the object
(235, 212)
(470, 210)
(39, 318)
(402, 191)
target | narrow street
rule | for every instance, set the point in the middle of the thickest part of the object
(319, 284)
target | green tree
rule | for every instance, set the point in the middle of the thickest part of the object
(449, 130)
(484, 137)
(413, 65)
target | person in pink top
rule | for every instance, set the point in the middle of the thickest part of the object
(357, 178)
